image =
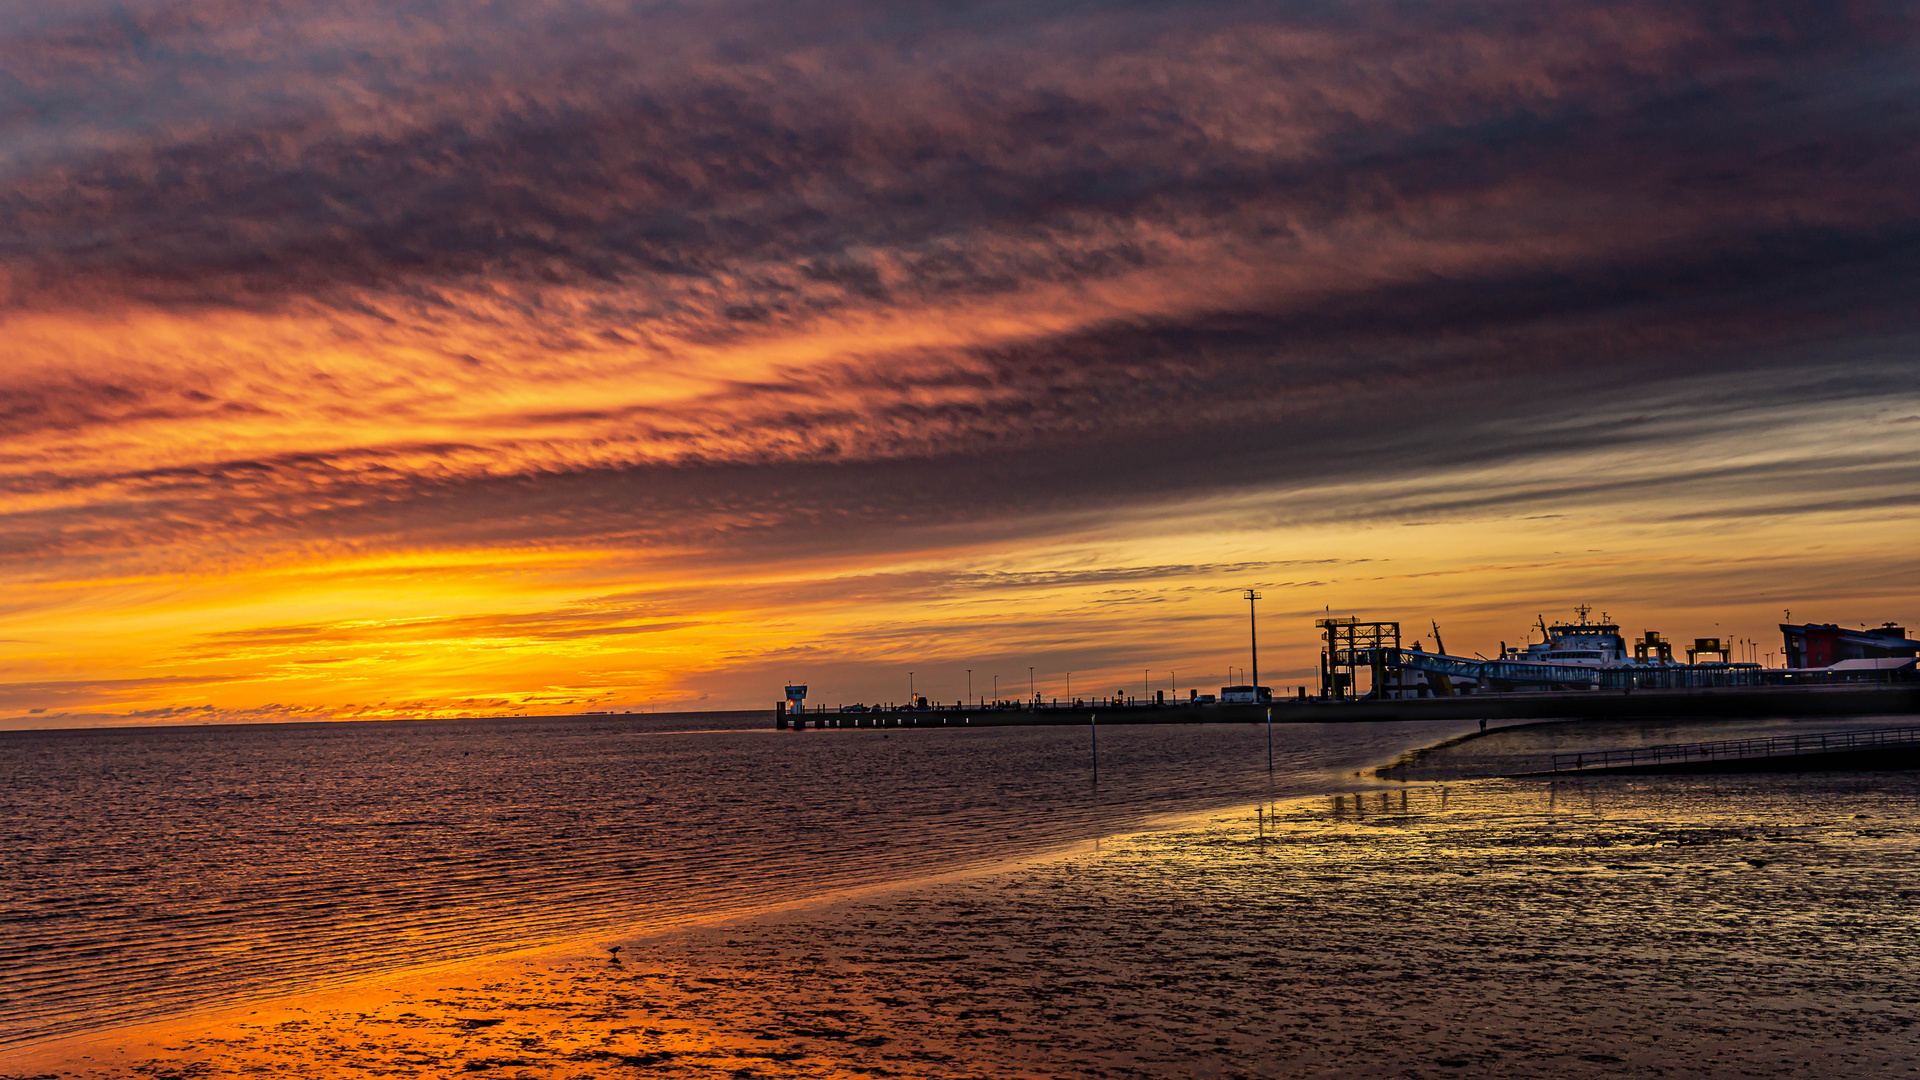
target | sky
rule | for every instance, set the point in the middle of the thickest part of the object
(415, 359)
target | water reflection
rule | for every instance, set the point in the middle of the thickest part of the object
(149, 870)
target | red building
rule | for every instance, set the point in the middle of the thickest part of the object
(1819, 645)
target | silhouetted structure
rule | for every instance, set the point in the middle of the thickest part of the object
(1352, 644)
(1822, 645)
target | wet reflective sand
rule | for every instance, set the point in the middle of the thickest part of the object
(1721, 926)
(145, 873)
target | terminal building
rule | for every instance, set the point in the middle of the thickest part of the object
(1836, 648)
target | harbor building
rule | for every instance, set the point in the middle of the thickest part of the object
(1824, 645)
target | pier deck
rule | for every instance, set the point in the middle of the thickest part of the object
(1897, 700)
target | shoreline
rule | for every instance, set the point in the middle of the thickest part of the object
(696, 991)
(65, 1050)
(1529, 929)
(72, 1054)
(294, 862)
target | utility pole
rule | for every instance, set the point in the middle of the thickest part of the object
(1253, 638)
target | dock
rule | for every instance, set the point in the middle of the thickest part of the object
(1726, 702)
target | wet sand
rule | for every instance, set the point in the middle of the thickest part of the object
(1708, 927)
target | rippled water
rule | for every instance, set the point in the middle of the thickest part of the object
(160, 870)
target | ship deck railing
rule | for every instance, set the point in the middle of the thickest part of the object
(1830, 742)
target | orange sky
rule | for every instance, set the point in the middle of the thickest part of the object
(393, 360)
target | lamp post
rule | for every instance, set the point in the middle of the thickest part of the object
(969, 688)
(909, 689)
(1253, 639)
(1030, 692)
(1069, 686)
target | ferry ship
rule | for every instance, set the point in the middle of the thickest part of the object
(1573, 655)
(1590, 644)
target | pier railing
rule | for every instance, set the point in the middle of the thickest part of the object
(1737, 749)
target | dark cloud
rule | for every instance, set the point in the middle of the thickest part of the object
(812, 167)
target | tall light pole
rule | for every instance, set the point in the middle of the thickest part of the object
(969, 688)
(1030, 692)
(1069, 686)
(909, 689)
(996, 688)
(1253, 639)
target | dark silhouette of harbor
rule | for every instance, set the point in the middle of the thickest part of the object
(1719, 702)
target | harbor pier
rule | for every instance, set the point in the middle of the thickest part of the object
(1728, 702)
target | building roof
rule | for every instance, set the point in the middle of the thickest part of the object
(1880, 638)
(1876, 663)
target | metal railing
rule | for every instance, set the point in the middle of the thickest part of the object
(1738, 749)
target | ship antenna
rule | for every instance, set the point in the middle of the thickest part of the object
(1582, 612)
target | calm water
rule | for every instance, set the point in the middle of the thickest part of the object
(154, 871)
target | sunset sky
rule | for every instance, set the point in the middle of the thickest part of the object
(424, 359)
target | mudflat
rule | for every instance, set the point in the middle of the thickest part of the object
(1696, 926)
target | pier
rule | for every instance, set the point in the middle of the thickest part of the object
(1729, 702)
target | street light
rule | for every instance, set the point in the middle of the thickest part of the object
(1069, 686)
(909, 689)
(969, 688)
(1030, 692)
(1253, 639)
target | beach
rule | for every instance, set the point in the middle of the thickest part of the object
(1709, 927)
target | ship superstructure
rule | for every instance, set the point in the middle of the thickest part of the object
(1583, 655)
(1583, 643)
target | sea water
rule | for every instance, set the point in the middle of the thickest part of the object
(155, 871)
